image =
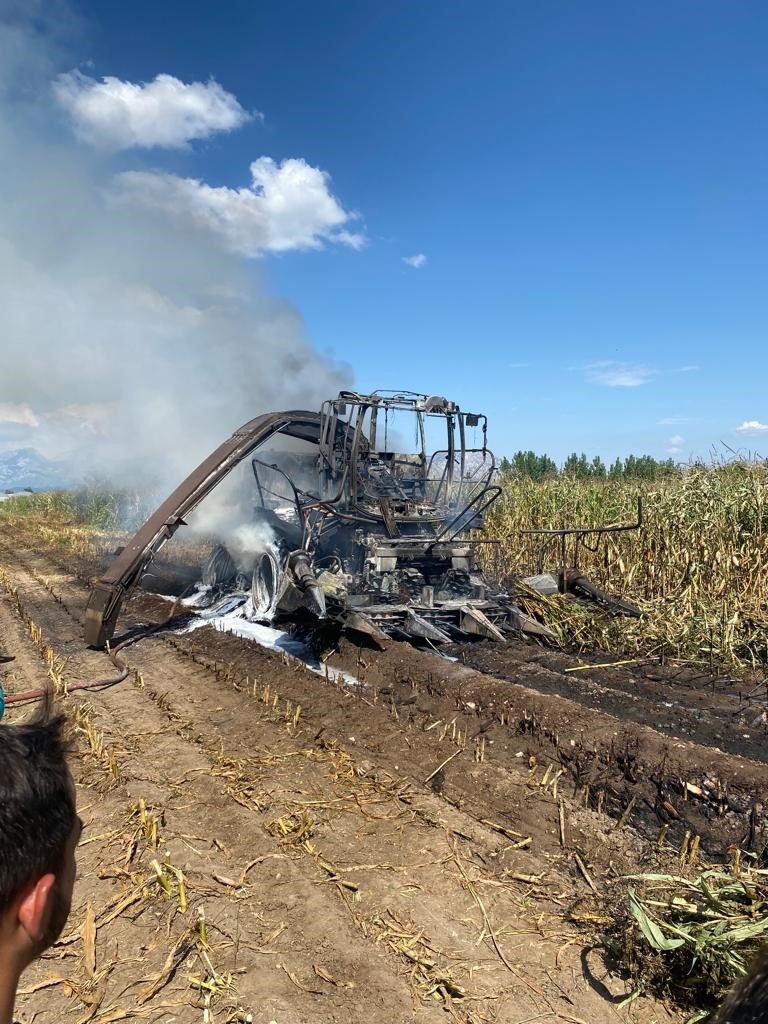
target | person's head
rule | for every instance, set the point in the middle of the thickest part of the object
(39, 830)
(747, 1003)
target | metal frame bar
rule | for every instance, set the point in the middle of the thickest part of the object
(124, 573)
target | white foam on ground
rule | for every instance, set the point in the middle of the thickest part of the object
(233, 621)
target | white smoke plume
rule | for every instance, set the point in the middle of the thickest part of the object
(226, 515)
(130, 343)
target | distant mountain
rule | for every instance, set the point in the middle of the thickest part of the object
(26, 467)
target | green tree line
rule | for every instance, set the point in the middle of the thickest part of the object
(540, 467)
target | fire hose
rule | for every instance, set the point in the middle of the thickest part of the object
(27, 696)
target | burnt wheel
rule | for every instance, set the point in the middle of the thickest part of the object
(264, 585)
(220, 568)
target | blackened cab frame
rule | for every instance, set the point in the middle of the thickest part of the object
(345, 447)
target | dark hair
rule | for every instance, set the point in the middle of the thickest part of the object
(37, 809)
(748, 1001)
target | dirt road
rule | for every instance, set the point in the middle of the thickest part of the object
(432, 844)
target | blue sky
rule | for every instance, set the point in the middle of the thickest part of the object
(586, 183)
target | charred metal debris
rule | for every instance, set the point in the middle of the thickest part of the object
(357, 527)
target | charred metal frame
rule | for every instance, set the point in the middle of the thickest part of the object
(355, 407)
(579, 533)
(125, 572)
(399, 538)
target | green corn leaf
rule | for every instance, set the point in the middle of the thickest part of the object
(650, 929)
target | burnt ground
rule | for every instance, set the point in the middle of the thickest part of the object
(438, 842)
(630, 772)
(678, 700)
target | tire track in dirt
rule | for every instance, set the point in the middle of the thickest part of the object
(616, 763)
(432, 833)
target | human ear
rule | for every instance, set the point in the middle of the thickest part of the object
(34, 909)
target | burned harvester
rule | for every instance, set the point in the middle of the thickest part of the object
(356, 525)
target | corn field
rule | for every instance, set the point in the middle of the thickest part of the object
(698, 568)
(86, 523)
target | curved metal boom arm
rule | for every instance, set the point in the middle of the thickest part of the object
(124, 573)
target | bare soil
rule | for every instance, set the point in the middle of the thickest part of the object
(439, 841)
(678, 700)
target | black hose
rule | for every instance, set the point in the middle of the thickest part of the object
(27, 696)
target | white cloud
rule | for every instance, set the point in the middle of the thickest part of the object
(112, 114)
(22, 414)
(752, 427)
(675, 444)
(691, 368)
(287, 206)
(612, 374)
(417, 261)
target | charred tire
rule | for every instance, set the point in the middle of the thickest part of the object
(264, 583)
(220, 568)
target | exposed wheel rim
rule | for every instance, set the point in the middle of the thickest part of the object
(264, 584)
(220, 568)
